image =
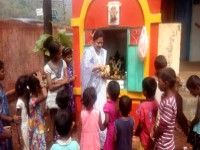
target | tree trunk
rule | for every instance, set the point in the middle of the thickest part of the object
(47, 16)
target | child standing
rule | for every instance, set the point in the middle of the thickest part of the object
(57, 77)
(90, 121)
(56, 74)
(124, 125)
(23, 95)
(160, 62)
(4, 107)
(193, 85)
(64, 124)
(147, 113)
(111, 113)
(36, 121)
(164, 131)
(67, 56)
(62, 100)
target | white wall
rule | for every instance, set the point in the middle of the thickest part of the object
(169, 44)
(195, 35)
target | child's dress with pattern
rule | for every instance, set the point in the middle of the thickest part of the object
(90, 130)
(69, 88)
(36, 127)
(109, 108)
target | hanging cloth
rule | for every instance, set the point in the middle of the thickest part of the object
(143, 44)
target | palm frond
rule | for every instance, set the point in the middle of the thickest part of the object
(44, 39)
(39, 44)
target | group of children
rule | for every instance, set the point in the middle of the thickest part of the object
(31, 91)
(117, 121)
(157, 116)
(162, 109)
(156, 121)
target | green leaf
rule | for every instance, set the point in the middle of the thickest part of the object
(63, 38)
(47, 53)
(60, 37)
(39, 43)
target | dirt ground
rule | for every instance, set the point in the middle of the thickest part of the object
(180, 137)
(180, 140)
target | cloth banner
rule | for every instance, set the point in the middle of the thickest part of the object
(143, 44)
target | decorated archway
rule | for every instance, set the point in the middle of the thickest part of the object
(134, 14)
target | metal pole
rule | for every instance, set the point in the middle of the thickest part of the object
(47, 12)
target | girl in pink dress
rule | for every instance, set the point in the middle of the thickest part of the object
(111, 113)
(90, 121)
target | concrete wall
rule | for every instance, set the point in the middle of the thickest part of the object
(169, 44)
(16, 50)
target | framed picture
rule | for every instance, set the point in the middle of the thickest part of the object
(113, 13)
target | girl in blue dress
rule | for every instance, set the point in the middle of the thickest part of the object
(68, 57)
